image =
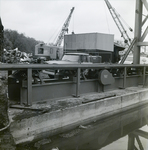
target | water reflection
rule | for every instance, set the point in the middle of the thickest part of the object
(95, 135)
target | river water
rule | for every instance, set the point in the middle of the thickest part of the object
(108, 133)
(122, 143)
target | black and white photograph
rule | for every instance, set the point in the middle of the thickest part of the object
(73, 75)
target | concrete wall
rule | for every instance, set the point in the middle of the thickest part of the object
(28, 129)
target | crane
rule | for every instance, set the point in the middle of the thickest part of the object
(64, 29)
(54, 51)
(118, 22)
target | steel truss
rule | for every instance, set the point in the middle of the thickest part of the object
(139, 25)
(134, 136)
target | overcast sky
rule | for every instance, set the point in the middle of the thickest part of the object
(43, 19)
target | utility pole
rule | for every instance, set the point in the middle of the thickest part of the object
(1, 40)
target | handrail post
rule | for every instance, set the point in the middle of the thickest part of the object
(124, 79)
(29, 86)
(9, 72)
(144, 70)
(78, 82)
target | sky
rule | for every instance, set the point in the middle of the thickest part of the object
(43, 19)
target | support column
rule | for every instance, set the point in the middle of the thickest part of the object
(78, 82)
(131, 142)
(29, 87)
(138, 28)
(144, 71)
(124, 79)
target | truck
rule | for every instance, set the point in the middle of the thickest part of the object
(76, 58)
(73, 58)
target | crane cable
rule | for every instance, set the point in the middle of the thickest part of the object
(106, 19)
(55, 34)
(130, 29)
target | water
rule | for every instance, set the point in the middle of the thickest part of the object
(122, 143)
(106, 134)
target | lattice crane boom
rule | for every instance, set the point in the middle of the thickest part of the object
(118, 22)
(64, 29)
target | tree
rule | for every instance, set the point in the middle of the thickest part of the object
(1, 39)
(13, 39)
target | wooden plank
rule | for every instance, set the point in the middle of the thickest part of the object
(91, 99)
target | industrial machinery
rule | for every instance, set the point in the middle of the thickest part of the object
(64, 29)
(55, 51)
(119, 24)
(127, 39)
(95, 44)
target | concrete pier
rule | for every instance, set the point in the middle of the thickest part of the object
(53, 117)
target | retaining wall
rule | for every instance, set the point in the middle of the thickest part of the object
(54, 122)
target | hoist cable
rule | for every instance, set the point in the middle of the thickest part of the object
(123, 21)
(107, 19)
(56, 33)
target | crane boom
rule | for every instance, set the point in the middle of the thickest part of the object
(64, 29)
(121, 28)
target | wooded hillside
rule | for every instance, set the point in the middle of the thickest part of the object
(13, 39)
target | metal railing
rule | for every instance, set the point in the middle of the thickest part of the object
(77, 67)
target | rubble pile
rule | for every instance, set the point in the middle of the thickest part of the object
(16, 56)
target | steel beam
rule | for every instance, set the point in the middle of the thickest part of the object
(144, 34)
(142, 44)
(145, 4)
(130, 48)
(141, 133)
(131, 141)
(139, 142)
(78, 83)
(65, 67)
(145, 19)
(144, 71)
(137, 32)
(124, 80)
(29, 87)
